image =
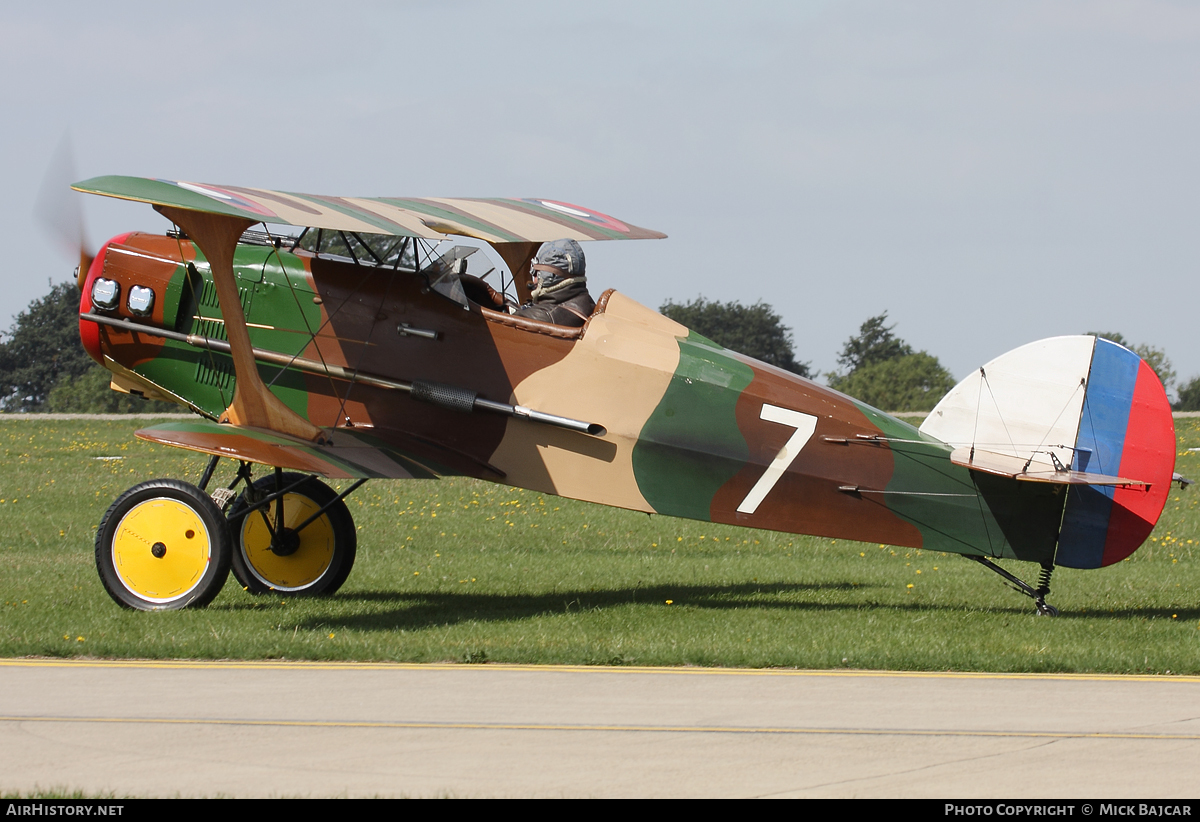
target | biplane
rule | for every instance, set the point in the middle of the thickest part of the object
(372, 338)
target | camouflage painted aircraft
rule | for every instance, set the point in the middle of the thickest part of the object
(361, 348)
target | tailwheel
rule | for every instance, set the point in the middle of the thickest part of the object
(308, 551)
(161, 546)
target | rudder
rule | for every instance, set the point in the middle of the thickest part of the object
(1125, 428)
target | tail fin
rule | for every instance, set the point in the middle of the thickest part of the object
(1081, 411)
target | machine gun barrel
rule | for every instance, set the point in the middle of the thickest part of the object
(444, 396)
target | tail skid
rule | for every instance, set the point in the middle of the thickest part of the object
(1038, 594)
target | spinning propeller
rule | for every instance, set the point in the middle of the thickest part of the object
(60, 211)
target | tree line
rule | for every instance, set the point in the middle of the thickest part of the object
(43, 367)
(876, 366)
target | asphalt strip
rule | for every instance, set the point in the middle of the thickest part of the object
(569, 669)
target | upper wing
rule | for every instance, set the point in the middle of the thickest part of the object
(495, 220)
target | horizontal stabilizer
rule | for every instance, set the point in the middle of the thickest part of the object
(1020, 468)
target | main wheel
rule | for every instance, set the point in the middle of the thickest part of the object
(163, 545)
(310, 562)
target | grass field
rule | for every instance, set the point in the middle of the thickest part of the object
(469, 571)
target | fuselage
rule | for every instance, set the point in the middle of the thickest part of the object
(691, 429)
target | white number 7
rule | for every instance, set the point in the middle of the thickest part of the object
(805, 425)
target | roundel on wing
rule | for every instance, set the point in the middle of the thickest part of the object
(226, 196)
(581, 213)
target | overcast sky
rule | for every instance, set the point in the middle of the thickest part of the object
(987, 173)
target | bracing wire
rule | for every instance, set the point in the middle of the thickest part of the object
(361, 356)
(212, 362)
(978, 402)
(1061, 411)
(999, 414)
(329, 319)
(979, 497)
(312, 336)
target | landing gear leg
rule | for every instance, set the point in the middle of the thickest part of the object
(1038, 594)
(208, 472)
(222, 497)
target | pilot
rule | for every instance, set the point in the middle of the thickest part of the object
(559, 287)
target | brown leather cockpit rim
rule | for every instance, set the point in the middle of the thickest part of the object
(562, 332)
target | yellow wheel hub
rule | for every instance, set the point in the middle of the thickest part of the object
(161, 549)
(301, 568)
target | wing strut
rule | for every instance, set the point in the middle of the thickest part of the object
(253, 404)
(517, 257)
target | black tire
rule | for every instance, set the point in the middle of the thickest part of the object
(324, 555)
(163, 545)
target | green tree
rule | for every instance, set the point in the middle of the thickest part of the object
(875, 343)
(89, 393)
(41, 348)
(883, 370)
(43, 366)
(1189, 396)
(912, 382)
(1156, 358)
(754, 330)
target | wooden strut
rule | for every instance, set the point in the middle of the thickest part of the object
(517, 257)
(253, 404)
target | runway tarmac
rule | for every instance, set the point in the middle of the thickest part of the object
(267, 729)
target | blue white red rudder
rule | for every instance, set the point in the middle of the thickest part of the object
(1081, 411)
